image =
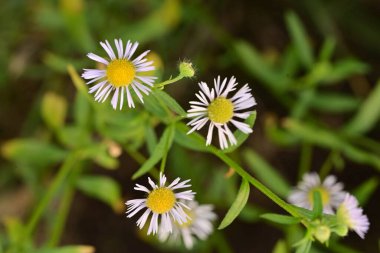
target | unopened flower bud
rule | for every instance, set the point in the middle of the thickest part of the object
(322, 233)
(341, 230)
(186, 69)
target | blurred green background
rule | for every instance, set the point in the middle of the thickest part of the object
(313, 67)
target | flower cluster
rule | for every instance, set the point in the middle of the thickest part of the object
(170, 209)
(120, 75)
(178, 212)
(335, 201)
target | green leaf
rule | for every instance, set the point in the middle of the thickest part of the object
(250, 213)
(240, 136)
(82, 111)
(304, 247)
(155, 25)
(329, 139)
(299, 38)
(338, 248)
(72, 136)
(237, 205)
(160, 150)
(78, 82)
(327, 49)
(193, 141)
(317, 204)
(121, 127)
(266, 173)
(170, 102)
(102, 188)
(255, 65)
(67, 249)
(280, 247)
(53, 110)
(290, 63)
(157, 107)
(334, 102)
(304, 212)
(14, 229)
(99, 153)
(281, 219)
(151, 138)
(367, 115)
(364, 191)
(345, 68)
(32, 152)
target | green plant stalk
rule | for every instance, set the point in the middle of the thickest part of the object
(164, 158)
(140, 159)
(52, 190)
(171, 80)
(163, 161)
(262, 188)
(327, 165)
(62, 214)
(254, 181)
(64, 208)
(305, 161)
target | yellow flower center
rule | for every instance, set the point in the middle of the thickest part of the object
(161, 200)
(220, 110)
(324, 195)
(120, 72)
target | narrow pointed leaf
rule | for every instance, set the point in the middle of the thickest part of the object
(300, 40)
(237, 205)
(318, 205)
(364, 191)
(170, 102)
(266, 173)
(102, 188)
(281, 219)
(161, 148)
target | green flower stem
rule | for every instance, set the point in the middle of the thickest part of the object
(171, 80)
(266, 191)
(62, 214)
(163, 161)
(254, 181)
(64, 208)
(327, 166)
(52, 190)
(140, 159)
(305, 161)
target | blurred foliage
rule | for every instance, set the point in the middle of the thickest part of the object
(318, 97)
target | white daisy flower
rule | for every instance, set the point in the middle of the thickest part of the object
(163, 203)
(199, 226)
(121, 74)
(215, 107)
(350, 214)
(331, 191)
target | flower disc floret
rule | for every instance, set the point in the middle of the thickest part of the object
(325, 195)
(120, 72)
(161, 200)
(220, 110)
